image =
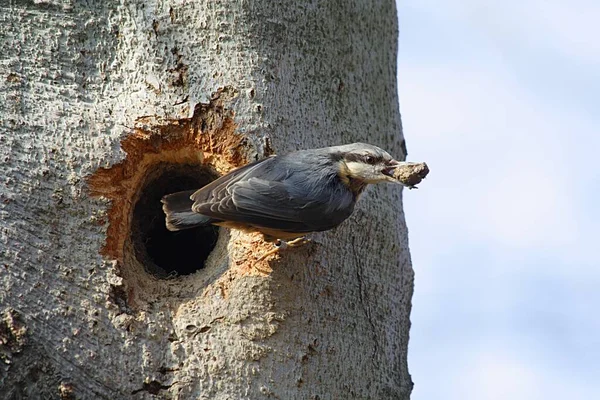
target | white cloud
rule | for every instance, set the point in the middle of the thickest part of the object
(504, 230)
(567, 28)
(497, 374)
(498, 169)
(498, 377)
(496, 368)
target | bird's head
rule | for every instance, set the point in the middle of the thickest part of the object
(367, 163)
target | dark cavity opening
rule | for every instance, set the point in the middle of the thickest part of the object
(162, 252)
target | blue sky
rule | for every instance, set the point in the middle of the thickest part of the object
(502, 100)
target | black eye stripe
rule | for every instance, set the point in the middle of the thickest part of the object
(372, 159)
(365, 158)
(352, 157)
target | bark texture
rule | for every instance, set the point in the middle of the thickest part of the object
(94, 97)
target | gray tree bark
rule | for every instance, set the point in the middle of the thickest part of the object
(95, 98)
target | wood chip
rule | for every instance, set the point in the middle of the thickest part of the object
(410, 174)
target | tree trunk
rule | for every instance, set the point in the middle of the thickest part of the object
(106, 106)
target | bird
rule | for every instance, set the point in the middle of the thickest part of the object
(285, 197)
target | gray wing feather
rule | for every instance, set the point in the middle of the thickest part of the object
(268, 199)
(218, 188)
(278, 201)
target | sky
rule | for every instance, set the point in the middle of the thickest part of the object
(501, 99)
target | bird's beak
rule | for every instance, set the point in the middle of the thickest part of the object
(406, 173)
(390, 168)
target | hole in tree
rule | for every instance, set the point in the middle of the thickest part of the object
(162, 252)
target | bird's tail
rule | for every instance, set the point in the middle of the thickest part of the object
(178, 210)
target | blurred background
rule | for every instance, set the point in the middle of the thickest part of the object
(502, 100)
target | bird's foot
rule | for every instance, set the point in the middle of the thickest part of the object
(301, 241)
(280, 245)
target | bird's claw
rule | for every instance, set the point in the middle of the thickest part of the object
(294, 243)
(280, 245)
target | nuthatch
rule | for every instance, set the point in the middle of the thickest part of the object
(285, 197)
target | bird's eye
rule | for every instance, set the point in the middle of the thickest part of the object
(369, 159)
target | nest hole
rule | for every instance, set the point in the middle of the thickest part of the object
(162, 252)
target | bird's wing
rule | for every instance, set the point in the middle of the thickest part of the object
(218, 188)
(275, 205)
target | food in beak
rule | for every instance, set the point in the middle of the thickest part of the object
(408, 173)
